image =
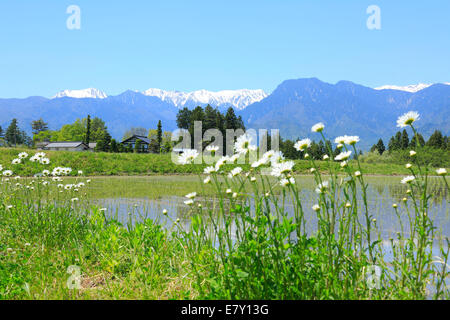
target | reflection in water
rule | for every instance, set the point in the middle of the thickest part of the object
(382, 193)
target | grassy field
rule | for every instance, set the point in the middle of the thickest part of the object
(249, 241)
(110, 164)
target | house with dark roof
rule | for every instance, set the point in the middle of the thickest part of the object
(144, 143)
(66, 146)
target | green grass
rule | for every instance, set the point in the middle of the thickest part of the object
(130, 164)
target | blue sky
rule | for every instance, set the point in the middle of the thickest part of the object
(215, 45)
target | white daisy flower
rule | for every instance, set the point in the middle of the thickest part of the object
(189, 202)
(259, 163)
(344, 164)
(343, 155)
(408, 166)
(23, 155)
(207, 180)
(221, 162)
(408, 179)
(316, 207)
(318, 127)
(80, 172)
(357, 173)
(275, 157)
(351, 140)
(188, 156)
(321, 187)
(253, 179)
(235, 171)
(233, 158)
(45, 161)
(234, 195)
(229, 191)
(441, 171)
(285, 181)
(191, 195)
(7, 173)
(268, 155)
(282, 168)
(74, 199)
(301, 145)
(412, 153)
(325, 157)
(209, 170)
(407, 119)
(340, 139)
(243, 144)
(45, 172)
(16, 161)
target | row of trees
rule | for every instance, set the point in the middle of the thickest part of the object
(401, 141)
(14, 136)
(211, 119)
(94, 130)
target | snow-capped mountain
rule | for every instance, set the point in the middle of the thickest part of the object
(410, 88)
(293, 107)
(83, 93)
(238, 99)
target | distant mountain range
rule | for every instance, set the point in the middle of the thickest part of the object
(238, 99)
(293, 107)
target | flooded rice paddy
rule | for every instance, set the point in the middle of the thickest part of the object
(134, 198)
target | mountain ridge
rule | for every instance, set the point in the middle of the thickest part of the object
(293, 107)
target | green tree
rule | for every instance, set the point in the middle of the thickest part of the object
(2, 136)
(87, 138)
(395, 143)
(380, 147)
(184, 118)
(114, 146)
(103, 144)
(210, 118)
(13, 135)
(159, 137)
(413, 141)
(436, 140)
(405, 140)
(231, 121)
(137, 146)
(38, 126)
(98, 127)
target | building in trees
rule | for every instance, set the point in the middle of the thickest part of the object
(67, 146)
(138, 143)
